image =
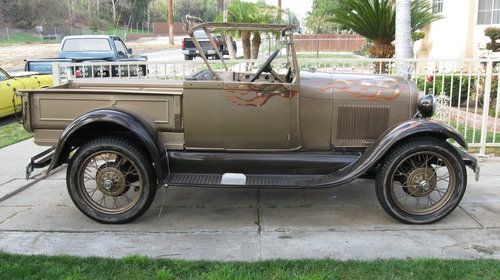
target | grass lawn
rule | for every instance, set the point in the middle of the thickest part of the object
(19, 38)
(133, 267)
(24, 37)
(324, 55)
(12, 133)
(476, 135)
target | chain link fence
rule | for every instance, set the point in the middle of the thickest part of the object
(55, 34)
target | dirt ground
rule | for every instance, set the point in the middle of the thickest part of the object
(12, 57)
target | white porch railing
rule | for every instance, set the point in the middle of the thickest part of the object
(466, 89)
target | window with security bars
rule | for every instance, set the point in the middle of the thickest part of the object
(488, 12)
(437, 6)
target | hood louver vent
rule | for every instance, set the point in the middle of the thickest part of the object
(362, 122)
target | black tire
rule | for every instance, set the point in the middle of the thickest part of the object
(188, 57)
(133, 156)
(436, 149)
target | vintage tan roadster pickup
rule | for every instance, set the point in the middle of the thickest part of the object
(124, 138)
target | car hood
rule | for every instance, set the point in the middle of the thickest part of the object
(23, 74)
(356, 87)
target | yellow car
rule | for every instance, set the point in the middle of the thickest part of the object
(9, 84)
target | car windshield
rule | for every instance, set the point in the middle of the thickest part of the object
(120, 46)
(3, 76)
(200, 34)
(88, 44)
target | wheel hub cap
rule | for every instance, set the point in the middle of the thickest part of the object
(111, 181)
(108, 184)
(421, 182)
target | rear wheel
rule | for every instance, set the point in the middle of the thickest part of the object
(421, 181)
(111, 181)
(188, 57)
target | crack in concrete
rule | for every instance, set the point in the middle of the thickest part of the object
(35, 179)
(279, 230)
(444, 248)
(472, 217)
(15, 214)
(259, 226)
(8, 181)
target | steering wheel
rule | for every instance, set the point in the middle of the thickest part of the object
(266, 67)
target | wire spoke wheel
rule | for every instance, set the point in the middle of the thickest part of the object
(423, 183)
(109, 182)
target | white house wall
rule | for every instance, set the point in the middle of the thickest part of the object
(455, 36)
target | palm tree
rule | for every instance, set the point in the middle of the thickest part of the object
(265, 14)
(247, 12)
(404, 44)
(240, 11)
(376, 20)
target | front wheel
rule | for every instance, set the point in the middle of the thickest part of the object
(421, 181)
(111, 181)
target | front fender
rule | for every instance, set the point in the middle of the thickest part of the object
(421, 127)
(405, 130)
(140, 126)
(393, 136)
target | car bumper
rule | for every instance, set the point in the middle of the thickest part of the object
(471, 162)
(195, 52)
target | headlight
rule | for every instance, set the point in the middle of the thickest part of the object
(426, 106)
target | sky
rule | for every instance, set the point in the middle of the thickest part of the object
(299, 7)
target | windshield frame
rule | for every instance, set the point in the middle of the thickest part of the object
(192, 24)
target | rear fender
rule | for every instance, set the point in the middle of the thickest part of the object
(139, 126)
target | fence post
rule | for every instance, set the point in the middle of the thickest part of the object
(56, 73)
(317, 53)
(486, 106)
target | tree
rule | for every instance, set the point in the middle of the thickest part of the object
(139, 10)
(114, 5)
(317, 20)
(376, 20)
(404, 44)
(220, 6)
(204, 9)
(264, 14)
(170, 22)
(247, 12)
(240, 11)
(279, 9)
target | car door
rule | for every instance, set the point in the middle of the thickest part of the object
(121, 49)
(8, 87)
(256, 116)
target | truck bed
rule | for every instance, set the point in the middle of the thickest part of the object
(48, 112)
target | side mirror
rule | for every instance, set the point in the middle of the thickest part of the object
(130, 51)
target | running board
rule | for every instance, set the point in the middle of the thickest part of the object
(240, 180)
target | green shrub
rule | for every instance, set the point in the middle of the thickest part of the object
(494, 34)
(493, 94)
(437, 81)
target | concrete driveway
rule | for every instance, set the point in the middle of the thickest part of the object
(219, 224)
